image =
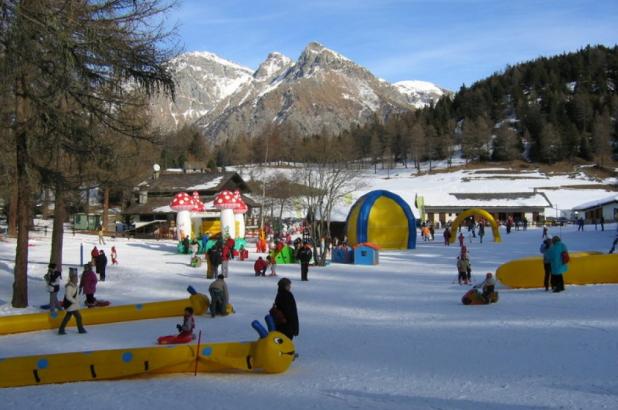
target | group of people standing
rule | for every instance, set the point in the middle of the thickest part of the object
(70, 303)
(99, 261)
(555, 263)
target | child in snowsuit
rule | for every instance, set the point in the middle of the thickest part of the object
(461, 239)
(226, 255)
(463, 267)
(188, 323)
(219, 296)
(260, 266)
(272, 262)
(114, 256)
(53, 277)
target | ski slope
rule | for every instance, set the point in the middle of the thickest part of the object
(393, 336)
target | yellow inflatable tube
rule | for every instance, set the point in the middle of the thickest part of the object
(584, 268)
(95, 316)
(272, 353)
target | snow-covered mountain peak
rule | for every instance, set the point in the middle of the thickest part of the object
(273, 66)
(208, 56)
(411, 86)
(420, 93)
(316, 56)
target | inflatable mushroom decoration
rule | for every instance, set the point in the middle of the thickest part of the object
(226, 201)
(199, 205)
(239, 215)
(183, 204)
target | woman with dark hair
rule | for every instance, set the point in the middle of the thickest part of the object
(286, 321)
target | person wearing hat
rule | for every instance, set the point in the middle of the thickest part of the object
(304, 255)
(71, 304)
(558, 259)
(285, 305)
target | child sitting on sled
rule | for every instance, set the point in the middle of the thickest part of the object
(488, 286)
(188, 324)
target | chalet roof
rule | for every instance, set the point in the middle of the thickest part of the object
(493, 200)
(597, 204)
(206, 183)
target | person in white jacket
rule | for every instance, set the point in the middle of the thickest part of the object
(71, 303)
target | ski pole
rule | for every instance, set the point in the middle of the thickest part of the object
(197, 352)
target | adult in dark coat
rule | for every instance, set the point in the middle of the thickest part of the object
(304, 255)
(286, 303)
(214, 254)
(101, 263)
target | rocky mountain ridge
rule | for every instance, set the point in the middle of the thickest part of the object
(322, 91)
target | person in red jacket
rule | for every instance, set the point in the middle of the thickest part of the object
(260, 267)
(243, 253)
(88, 284)
(230, 243)
(94, 254)
(226, 255)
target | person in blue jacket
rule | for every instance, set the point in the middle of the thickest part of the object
(544, 249)
(555, 255)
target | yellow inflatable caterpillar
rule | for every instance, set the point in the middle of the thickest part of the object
(273, 352)
(96, 316)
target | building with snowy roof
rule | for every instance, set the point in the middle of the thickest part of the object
(150, 205)
(502, 205)
(605, 207)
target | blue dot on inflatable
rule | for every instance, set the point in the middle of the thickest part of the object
(42, 364)
(139, 306)
(207, 351)
(53, 314)
(127, 357)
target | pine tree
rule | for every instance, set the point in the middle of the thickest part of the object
(506, 144)
(549, 144)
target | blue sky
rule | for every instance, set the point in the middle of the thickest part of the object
(448, 42)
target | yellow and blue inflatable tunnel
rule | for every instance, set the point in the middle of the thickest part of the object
(383, 218)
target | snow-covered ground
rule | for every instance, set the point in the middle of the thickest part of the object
(392, 336)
